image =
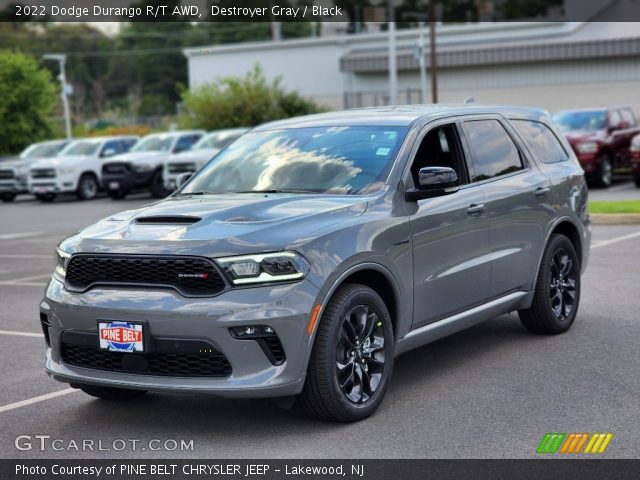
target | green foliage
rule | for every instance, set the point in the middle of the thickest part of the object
(242, 102)
(27, 97)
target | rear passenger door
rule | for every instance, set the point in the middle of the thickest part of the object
(517, 205)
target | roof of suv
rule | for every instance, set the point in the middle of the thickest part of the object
(402, 115)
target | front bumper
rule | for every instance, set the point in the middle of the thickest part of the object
(13, 186)
(127, 182)
(57, 184)
(167, 314)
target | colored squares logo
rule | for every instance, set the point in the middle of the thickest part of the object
(572, 443)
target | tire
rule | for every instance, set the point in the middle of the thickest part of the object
(8, 197)
(87, 187)
(46, 197)
(636, 179)
(157, 186)
(605, 172)
(117, 194)
(557, 295)
(107, 393)
(365, 370)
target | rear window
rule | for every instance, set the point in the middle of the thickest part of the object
(541, 140)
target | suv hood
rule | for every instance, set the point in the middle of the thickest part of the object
(139, 157)
(229, 224)
(576, 136)
(66, 161)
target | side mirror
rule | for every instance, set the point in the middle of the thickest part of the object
(433, 182)
(109, 152)
(182, 179)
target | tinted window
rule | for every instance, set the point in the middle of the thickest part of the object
(185, 142)
(340, 160)
(114, 147)
(542, 142)
(439, 148)
(492, 149)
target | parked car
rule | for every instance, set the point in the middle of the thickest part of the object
(14, 171)
(141, 168)
(201, 152)
(312, 251)
(601, 139)
(635, 159)
(76, 169)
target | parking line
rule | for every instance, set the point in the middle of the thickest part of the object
(615, 240)
(21, 255)
(41, 398)
(25, 280)
(14, 236)
(21, 334)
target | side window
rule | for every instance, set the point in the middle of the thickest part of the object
(185, 142)
(111, 148)
(628, 117)
(440, 147)
(541, 140)
(127, 143)
(492, 149)
(615, 119)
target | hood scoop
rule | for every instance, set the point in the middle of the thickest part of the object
(168, 220)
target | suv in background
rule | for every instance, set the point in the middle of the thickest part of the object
(14, 171)
(76, 169)
(141, 168)
(312, 251)
(601, 138)
(203, 151)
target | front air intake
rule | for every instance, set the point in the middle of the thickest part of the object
(168, 220)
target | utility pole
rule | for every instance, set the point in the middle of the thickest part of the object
(393, 68)
(65, 90)
(432, 47)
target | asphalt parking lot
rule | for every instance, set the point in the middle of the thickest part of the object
(491, 391)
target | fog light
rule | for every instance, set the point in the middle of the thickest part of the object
(265, 337)
(251, 331)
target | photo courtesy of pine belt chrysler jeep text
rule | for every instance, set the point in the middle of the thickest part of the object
(312, 251)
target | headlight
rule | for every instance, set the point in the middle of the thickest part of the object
(588, 147)
(67, 170)
(265, 267)
(62, 260)
(143, 167)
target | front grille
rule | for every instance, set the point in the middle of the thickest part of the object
(43, 173)
(181, 167)
(210, 364)
(7, 174)
(116, 167)
(191, 276)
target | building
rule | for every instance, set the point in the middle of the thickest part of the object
(553, 65)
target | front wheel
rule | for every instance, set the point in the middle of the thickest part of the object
(557, 293)
(157, 186)
(604, 175)
(107, 393)
(87, 187)
(352, 357)
(8, 197)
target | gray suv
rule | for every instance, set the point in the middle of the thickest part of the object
(312, 251)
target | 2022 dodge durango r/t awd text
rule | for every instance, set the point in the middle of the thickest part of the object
(312, 251)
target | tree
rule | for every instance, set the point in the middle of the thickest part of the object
(27, 98)
(242, 102)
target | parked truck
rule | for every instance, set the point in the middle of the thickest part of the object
(601, 139)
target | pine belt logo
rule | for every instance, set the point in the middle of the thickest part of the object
(573, 443)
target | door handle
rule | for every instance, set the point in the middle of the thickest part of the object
(475, 208)
(542, 192)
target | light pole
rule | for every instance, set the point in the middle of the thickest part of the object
(64, 91)
(393, 69)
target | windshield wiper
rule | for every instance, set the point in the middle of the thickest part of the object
(184, 194)
(279, 190)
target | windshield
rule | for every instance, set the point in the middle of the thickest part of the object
(41, 150)
(81, 147)
(581, 120)
(154, 143)
(342, 160)
(217, 140)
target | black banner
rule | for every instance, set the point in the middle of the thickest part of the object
(583, 469)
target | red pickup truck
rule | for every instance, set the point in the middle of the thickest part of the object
(601, 138)
(635, 159)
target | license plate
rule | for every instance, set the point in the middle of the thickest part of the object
(114, 185)
(42, 189)
(121, 336)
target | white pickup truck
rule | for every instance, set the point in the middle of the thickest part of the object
(192, 160)
(14, 171)
(76, 169)
(141, 168)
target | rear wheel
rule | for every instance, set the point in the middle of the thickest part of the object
(157, 186)
(107, 393)
(87, 187)
(605, 172)
(557, 292)
(8, 197)
(352, 357)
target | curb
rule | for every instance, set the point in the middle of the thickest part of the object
(615, 218)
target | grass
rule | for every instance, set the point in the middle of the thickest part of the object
(622, 206)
